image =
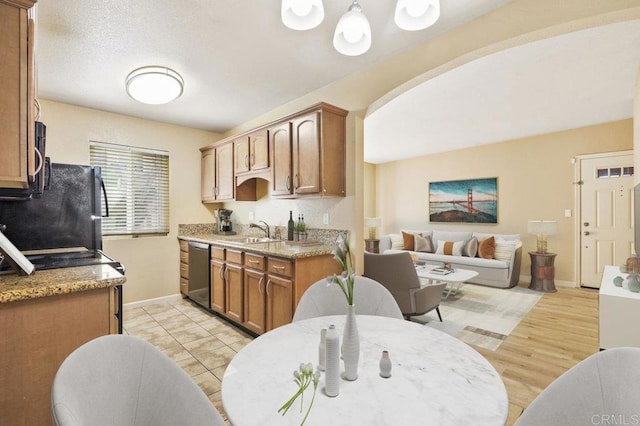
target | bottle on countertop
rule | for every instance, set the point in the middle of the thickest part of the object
(290, 227)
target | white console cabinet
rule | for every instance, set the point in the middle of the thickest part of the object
(619, 312)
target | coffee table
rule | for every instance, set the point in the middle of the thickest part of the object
(453, 280)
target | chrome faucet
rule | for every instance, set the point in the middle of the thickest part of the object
(264, 228)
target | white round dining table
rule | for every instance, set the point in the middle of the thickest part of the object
(435, 379)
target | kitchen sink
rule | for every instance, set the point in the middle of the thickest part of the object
(251, 240)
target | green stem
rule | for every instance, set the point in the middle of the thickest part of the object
(315, 386)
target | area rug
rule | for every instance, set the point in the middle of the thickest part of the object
(482, 316)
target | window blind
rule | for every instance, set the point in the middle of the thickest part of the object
(137, 185)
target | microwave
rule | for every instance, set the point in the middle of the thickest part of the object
(39, 183)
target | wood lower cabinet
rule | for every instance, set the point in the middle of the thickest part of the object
(184, 267)
(37, 336)
(255, 282)
(261, 292)
(279, 292)
(218, 292)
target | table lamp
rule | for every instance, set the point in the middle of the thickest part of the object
(542, 228)
(372, 223)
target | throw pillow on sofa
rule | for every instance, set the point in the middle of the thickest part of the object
(487, 248)
(423, 244)
(408, 241)
(451, 248)
(503, 250)
(396, 241)
(470, 248)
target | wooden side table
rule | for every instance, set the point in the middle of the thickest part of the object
(372, 246)
(542, 272)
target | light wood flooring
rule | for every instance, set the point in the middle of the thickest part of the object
(560, 331)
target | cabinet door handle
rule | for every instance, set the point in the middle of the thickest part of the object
(296, 182)
(279, 268)
(267, 287)
(254, 262)
(253, 159)
(221, 273)
(260, 284)
(246, 161)
(288, 183)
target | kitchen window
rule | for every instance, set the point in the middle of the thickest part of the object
(137, 185)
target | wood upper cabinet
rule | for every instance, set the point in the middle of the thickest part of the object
(280, 144)
(318, 139)
(225, 180)
(252, 152)
(17, 85)
(208, 175)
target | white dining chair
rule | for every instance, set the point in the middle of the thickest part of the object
(124, 380)
(369, 297)
(601, 389)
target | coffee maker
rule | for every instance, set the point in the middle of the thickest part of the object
(225, 226)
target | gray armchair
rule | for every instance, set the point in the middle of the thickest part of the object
(123, 380)
(398, 274)
(602, 389)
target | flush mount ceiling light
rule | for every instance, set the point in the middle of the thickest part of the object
(154, 85)
(302, 14)
(353, 32)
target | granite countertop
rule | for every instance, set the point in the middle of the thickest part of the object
(51, 282)
(285, 249)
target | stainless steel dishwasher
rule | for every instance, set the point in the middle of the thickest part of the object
(199, 258)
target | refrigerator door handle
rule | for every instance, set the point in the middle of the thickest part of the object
(106, 200)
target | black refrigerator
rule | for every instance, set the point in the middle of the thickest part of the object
(62, 228)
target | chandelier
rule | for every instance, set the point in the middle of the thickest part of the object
(353, 32)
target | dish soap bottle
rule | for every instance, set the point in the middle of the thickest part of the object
(290, 226)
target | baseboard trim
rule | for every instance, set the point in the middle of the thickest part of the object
(137, 304)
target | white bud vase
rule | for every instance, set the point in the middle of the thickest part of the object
(351, 345)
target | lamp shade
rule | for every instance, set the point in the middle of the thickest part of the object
(415, 15)
(353, 32)
(302, 14)
(154, 85)
(542, 227)
(372, 222)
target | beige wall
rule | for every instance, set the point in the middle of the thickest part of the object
(152, 262)
(535, 181)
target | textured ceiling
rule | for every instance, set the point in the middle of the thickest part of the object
(236, 57)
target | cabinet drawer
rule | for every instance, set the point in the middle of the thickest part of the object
(184, 246)
(184, 257)
(234, 256)
(184, 270)
(217, 253)
(280, 267)
(254, 261)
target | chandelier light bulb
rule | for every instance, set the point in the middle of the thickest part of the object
(301, 7)
(415, 15)
(416, 8)
(353, 32)
(302, 14)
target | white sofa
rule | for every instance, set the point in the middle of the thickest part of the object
(502, 273)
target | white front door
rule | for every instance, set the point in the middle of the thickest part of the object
(606, 223)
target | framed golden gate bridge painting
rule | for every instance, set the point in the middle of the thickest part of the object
(464, 201)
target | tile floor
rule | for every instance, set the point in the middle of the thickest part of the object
(200, 342)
